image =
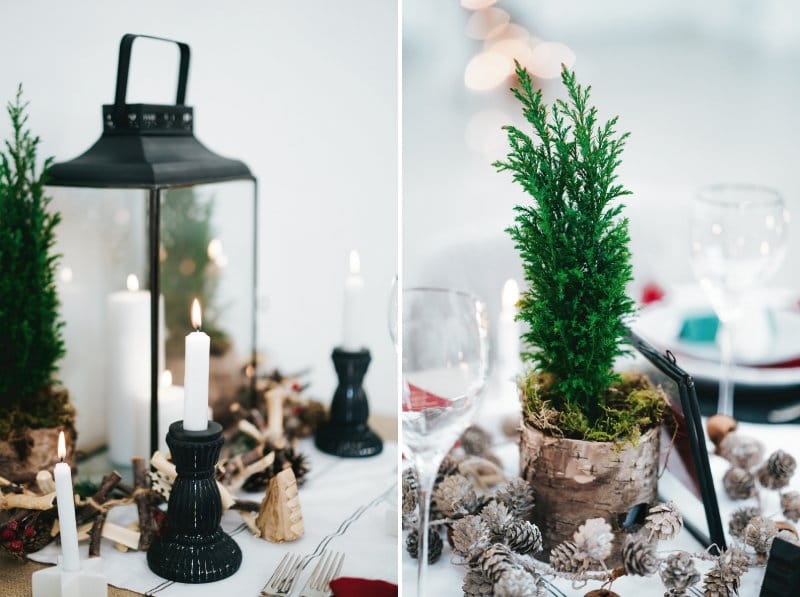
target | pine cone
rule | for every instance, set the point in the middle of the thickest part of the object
(790, 504)
(724, 578)
(524, 537)
(639, 556)
(516, 582)
(565, 557)
(454, 497)
(741, 450)
(470, 537)
(476, 585)
(594, 538)
(740, 519)
(664, 521)
(679, 573)
(286, 457)
(448, 467)
(435, 545)
(496, 516)
(410, 490)
(777, 471)
(739, 483)
(517, 494)
(759, 534)
(495, 560)
(475, 441)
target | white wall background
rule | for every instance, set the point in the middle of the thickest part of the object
(303, 92)
(708, 91)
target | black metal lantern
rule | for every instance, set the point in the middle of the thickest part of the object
(148, 199)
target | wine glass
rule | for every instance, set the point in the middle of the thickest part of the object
(444, 369)
(738, 240)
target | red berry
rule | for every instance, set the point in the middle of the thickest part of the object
(652, 293)
(13, 525)
(28, 532)
(297, 387)
(16, 546)
(7, 535)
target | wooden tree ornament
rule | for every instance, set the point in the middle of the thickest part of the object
(280, 518)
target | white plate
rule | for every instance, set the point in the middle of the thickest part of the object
(660, 325)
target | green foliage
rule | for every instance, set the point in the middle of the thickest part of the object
(187, 271)
(30, 331)
(574, 246)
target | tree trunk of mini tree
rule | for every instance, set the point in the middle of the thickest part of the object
(29, 451)
(574, 480)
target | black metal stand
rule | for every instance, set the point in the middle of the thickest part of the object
(346, 432)
(193, 548)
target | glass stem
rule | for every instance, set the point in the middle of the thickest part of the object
(427, 477)
(725, 403)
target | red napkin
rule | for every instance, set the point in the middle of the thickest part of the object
(419, 399)
(362, 587)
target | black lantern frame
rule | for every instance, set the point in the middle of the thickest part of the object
(153, 148)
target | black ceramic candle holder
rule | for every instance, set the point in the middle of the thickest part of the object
(346, 432)
(193, 548)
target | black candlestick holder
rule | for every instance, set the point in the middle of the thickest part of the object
(346, 432)
(193, 548)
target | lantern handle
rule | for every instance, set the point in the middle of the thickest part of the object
(123, 67)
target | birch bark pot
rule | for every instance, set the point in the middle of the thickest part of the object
(574, 480)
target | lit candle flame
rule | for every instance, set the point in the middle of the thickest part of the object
(62, 446)
(197, 314)
(510, 294)
(355, 262)
(132, 282)
(166, 379)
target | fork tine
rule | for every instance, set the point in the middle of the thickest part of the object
(288, 576)
(277, 573)
(315, 572)
(336, 572)
(298, 565)
(323, 581)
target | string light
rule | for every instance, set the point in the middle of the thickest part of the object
(547, 58)
(477, 4)
(483, 22)
(487, 70)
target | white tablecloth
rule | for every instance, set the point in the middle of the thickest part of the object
(445, 579)
(337, 490)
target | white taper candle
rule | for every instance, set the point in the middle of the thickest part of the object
(195, 382)
(70, 558)
(352, 335)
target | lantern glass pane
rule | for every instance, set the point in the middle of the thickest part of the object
(103, 243)
(207, 252)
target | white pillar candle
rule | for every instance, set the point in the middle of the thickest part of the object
(195, 381)
(352, 328)
(70, 559)
(170, 406)
(128, 372)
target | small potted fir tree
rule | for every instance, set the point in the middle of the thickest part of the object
(589, 442)
(33, 407)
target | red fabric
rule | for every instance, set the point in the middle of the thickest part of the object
(652, 293)
(362, 587)
(419, 399)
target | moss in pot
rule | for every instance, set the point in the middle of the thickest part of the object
(590, 439)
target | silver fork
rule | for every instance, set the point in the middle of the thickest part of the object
(282, 580)
(327, 568)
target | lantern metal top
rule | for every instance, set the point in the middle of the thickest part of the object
(147, 145)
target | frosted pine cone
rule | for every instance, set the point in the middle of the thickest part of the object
(777, 471)
(790, 504)
(495, 560)
(410, 489)
(523, 537)
(759, 534)
(788, 536)
(476, 585)
(496, 516)
(565, 557)
(594, 538)
(518, 496)
(454, 497)
(448, 467)
(664, 521)
(470, 537)
(475, 441)
(639, 556)
(435, 545)
(516, 582)
(739, 483)
(679, 573)
(741, 518)
(741, 450)
(720, 582)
